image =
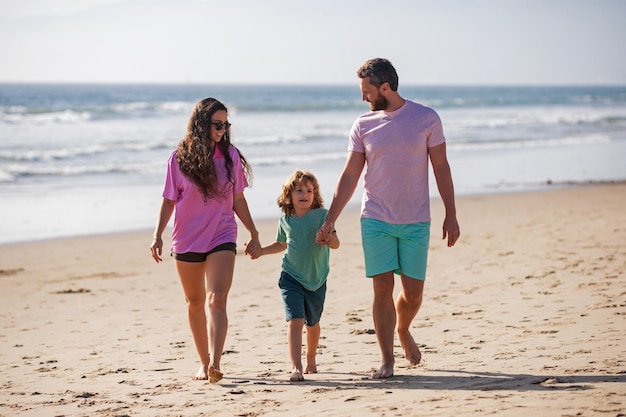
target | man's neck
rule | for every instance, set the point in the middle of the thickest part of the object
(395, 102)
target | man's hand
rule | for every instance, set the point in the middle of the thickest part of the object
(451, 230)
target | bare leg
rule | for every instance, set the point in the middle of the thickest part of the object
(408, 304)
(295, 348)
(312, 341)
(219, 268)
(192, 279)
(384, 313)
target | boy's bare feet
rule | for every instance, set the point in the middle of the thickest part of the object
(385, 371)
(214, 375)
(203, 373)
(411, 351)
(296, 376)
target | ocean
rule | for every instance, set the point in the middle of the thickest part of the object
(87, 159)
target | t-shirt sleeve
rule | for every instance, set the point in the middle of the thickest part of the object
(435, 136)
(239, 175)
(170, 189)
(281, 236)
(355, 143)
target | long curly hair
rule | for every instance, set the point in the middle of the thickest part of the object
(195, 155)
(297, 178)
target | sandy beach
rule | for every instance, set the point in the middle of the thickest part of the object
(526, 316)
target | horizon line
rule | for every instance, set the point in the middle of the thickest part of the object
(306, 84)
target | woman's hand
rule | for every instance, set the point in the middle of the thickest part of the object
(156, 248)
(253, 248)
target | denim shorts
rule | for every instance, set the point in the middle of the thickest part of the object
(401, 248)
(201, 256)
(299, 302)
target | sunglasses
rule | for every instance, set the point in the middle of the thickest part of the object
(220, 125)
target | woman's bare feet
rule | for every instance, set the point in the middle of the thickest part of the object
(215, 375)
(311, 367)
(411, 351)
(296, 376)
(203, 373)
(385, 371)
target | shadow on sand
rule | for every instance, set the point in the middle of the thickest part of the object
(441, 380)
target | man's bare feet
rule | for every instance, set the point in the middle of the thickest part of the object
(411, 351)
(203, 373)
(296, 376)
(214, 375)
(385, 371)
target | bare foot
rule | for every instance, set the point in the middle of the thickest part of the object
(411, 351)
(214, 375)
(311, 368)
(384, 372)
(202, 374)
(296, 376)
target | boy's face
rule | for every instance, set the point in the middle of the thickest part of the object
(303, 195)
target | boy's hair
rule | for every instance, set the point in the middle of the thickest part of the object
(380, 71)
(297, 178)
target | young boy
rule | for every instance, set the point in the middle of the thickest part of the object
(305, 265)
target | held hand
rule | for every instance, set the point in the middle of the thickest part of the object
(323, 234)
(253, 248)
(451, 230)
(156, 248)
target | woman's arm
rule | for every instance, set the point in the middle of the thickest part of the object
(165, 213)
(240, 206)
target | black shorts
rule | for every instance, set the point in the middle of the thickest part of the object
(201, 256)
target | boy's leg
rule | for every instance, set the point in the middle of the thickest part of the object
(312, 341)
(294, 335)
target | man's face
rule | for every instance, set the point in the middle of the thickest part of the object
(371, 94)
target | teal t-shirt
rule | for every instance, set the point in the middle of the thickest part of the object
(305, 260)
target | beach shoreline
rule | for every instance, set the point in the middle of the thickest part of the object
(525, 316)
(86, 218)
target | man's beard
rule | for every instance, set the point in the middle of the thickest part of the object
(381, 103)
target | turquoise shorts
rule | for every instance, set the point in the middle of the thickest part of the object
(401, 248)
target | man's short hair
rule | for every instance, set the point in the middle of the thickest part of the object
(380, 71)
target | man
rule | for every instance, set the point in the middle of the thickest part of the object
(395, 141)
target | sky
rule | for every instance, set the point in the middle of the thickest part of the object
(436, 42)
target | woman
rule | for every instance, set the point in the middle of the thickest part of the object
(206, 176)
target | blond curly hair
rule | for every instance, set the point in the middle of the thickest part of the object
(298, 178)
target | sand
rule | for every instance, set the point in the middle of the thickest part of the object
(526, 316)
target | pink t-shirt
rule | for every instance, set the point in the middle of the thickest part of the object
(200, 226)
(396, 145)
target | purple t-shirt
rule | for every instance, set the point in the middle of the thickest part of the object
(200, 226)
(396, 145)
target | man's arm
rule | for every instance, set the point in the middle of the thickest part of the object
(348, 180)
(443, 176)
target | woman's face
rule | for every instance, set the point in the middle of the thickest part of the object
(218, 120)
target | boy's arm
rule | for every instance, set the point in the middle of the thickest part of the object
(333, 242)
(275, 247)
